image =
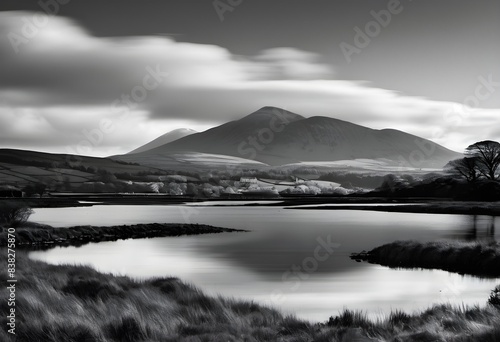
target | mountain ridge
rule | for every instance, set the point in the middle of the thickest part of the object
(275, 136)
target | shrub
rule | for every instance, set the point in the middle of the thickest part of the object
(495, 297)
(128, 329)
(349, 318)
(14, 215)
(166, 285)
(92, 288)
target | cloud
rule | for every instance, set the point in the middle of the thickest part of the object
(64, 81)
(289, 63)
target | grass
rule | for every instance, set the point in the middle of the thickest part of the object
(77, 303)
(473, 258)
(36, 235)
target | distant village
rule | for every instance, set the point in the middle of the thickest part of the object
(179, 185)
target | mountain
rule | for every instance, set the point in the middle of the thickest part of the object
(164, 139)
(276, 137)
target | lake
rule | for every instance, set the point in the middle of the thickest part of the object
(295, 260)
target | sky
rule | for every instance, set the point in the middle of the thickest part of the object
(104, 77)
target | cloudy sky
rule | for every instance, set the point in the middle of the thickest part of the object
(116, 74)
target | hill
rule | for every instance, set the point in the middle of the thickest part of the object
(165, 139)
(23, 167)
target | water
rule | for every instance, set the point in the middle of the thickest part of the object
(283, 261)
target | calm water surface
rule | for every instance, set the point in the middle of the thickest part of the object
(275, 263)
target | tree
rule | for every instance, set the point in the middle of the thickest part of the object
(393, 182)
(191, 190)
(488, 157)
(105, 176)
(466, 167)
(35, 189)
(14, 215)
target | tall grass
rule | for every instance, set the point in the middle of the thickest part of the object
(77, 303)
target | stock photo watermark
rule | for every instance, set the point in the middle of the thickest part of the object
(11, 280)
(364, 36)
(453, 289)
(296, 274)
(253, 144)
(223, 6)
(484, 89)
(187, 212)
(34, 23)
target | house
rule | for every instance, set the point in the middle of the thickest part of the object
(247, 181)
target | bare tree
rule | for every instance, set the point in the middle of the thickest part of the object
(488, 154)
(466, 167)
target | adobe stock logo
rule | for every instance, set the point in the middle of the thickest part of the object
(33, 25)
(486, 86)
(223, 6)
(372, 29)
(296, 274)
(253, 144)
(455, 117)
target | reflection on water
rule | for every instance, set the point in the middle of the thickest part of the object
(282, 261)
(481, 228)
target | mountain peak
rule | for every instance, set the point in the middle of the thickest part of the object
(269, 108)
(269, 111)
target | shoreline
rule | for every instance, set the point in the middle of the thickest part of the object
(44, 237)
(466, 258)
(456, 208)
(408, 205)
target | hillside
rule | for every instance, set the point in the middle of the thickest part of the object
(22, 167)
(165, 139)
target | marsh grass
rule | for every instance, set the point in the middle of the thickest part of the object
(31, 235)
(473, 258)
(79, 304)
